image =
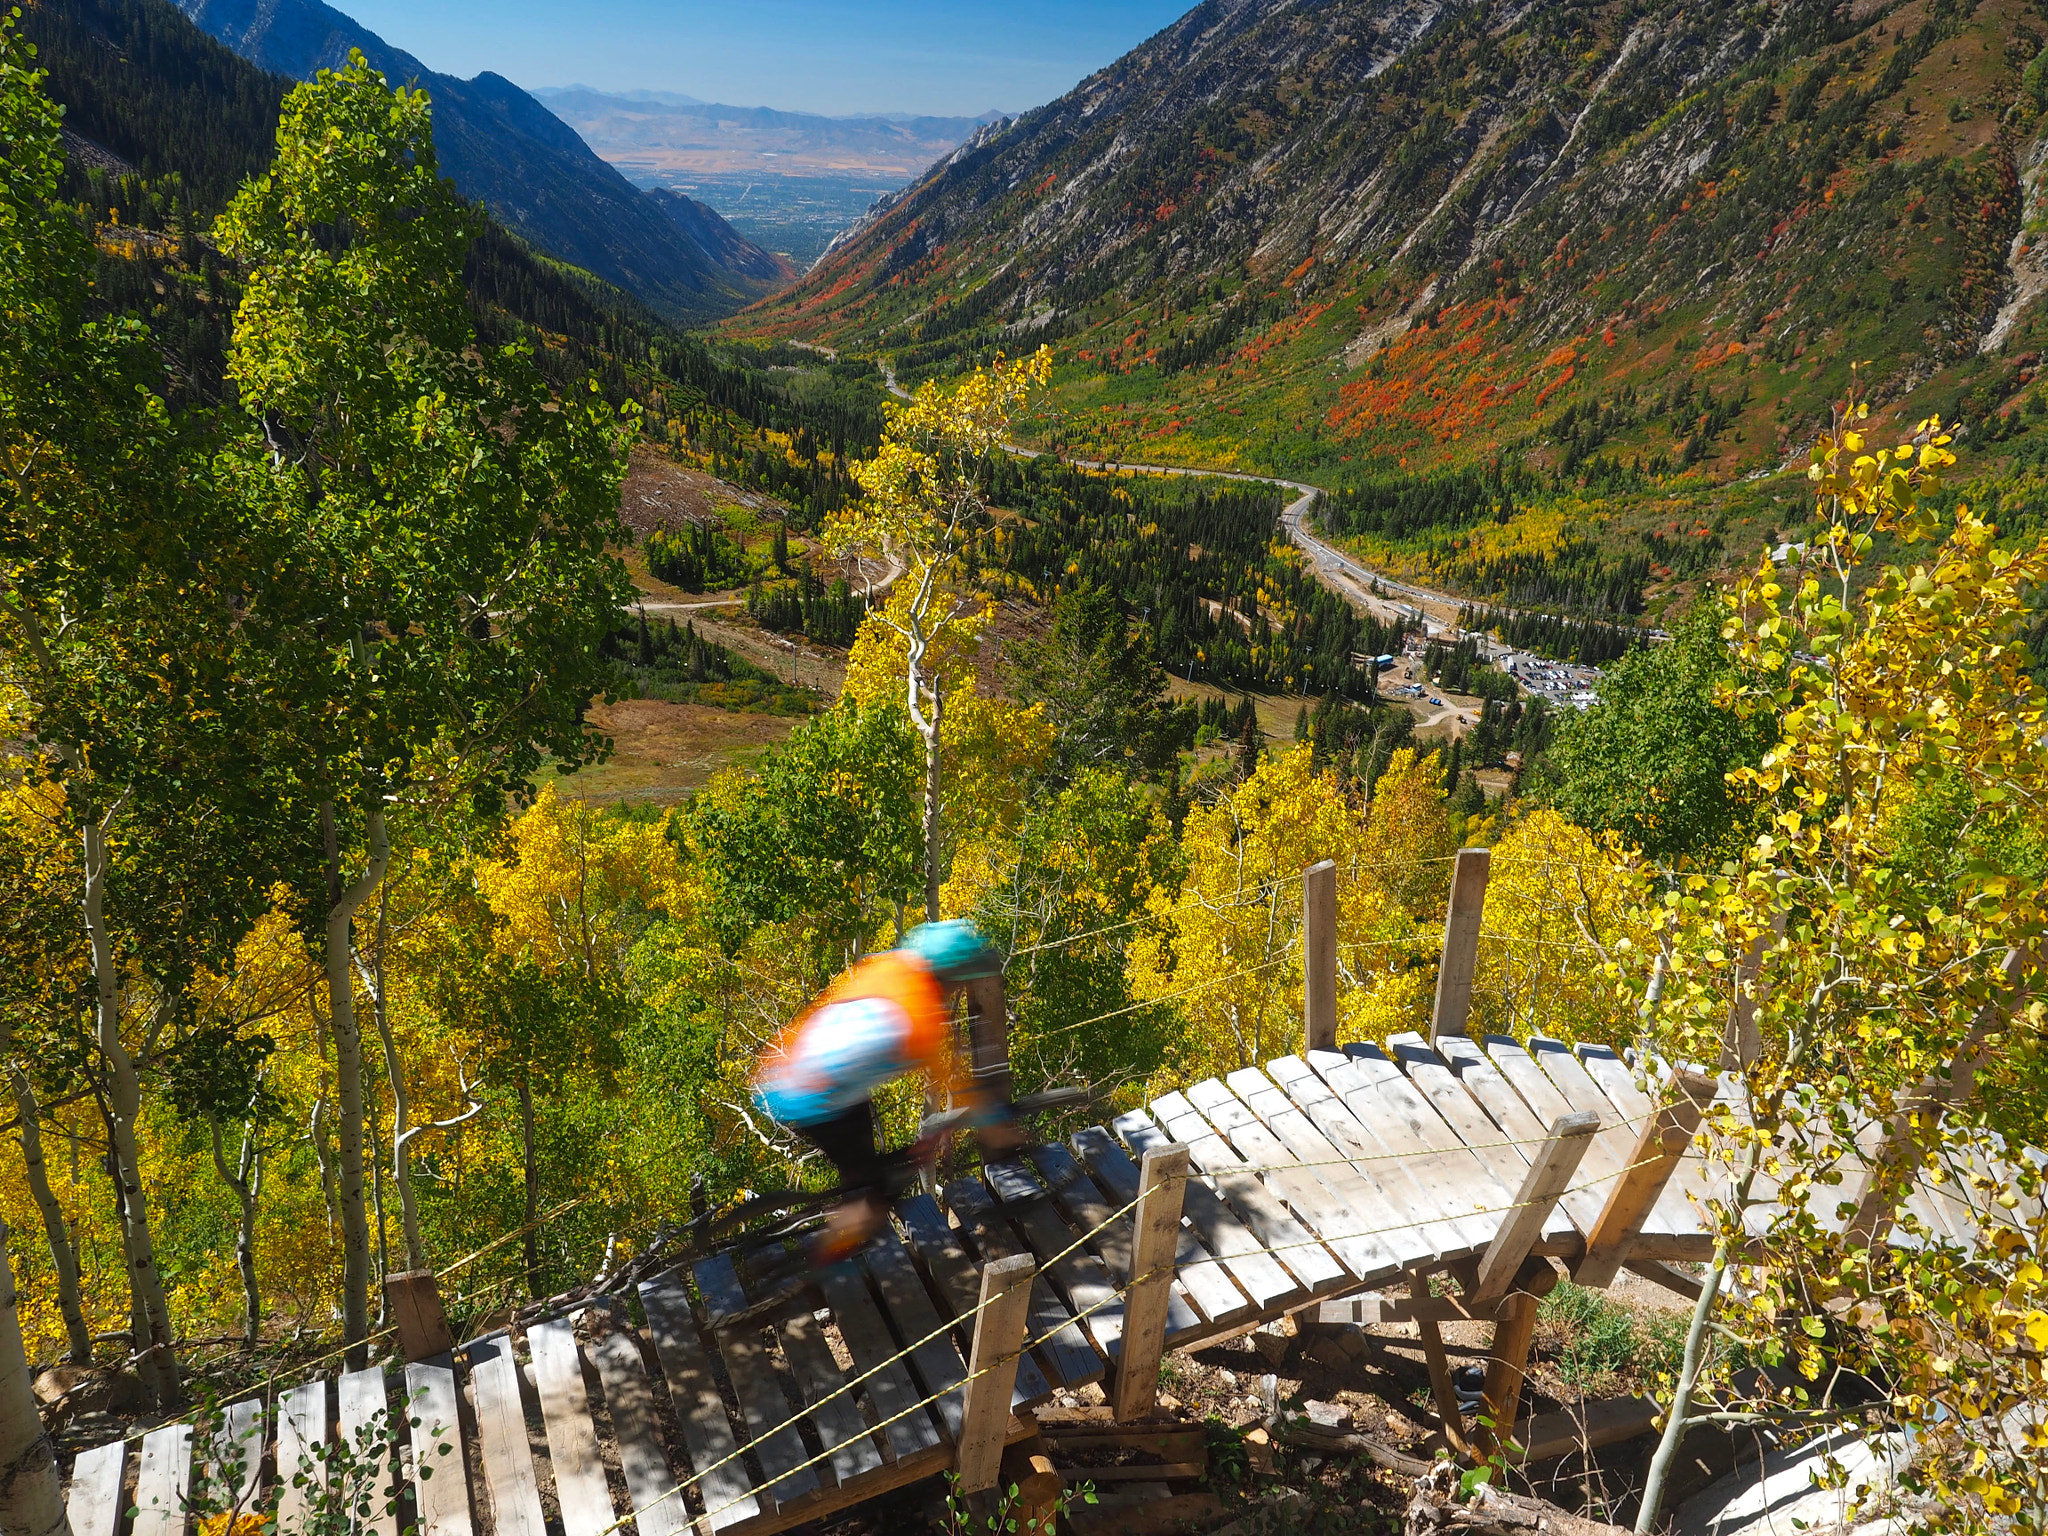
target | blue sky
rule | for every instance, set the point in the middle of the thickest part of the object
(949, 57)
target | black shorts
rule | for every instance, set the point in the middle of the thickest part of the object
(848, 1139)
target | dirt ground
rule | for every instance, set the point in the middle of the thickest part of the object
(660, 493)
(664, 752)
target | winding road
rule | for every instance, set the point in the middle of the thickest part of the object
(1334, 569)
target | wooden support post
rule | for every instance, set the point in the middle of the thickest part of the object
(1461, 944)
(1441, 1387)
(1319, 955)
(1666, 1135)
(1163, 1183)
(992, 1372)
(1549, 1176)
(1500, 1399)
(417, 1313)
(1030, 1471)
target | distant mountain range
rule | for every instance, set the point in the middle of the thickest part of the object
(660, 135)
(504, 149)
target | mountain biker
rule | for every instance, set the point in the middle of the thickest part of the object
(891, 1014)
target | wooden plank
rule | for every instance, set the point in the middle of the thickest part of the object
(1081, 1278)
(1452, 1179)
(93, 1501)
(1589, 1428)
(1203, 1267)
(888, 1385)
(1609, 1153)
(1492, 1145)
(1002, 1316)
(1297, 1249)
(366, 1421)
(1357, 1190)
(835, 1414)
(958, 1279)
(934, 1359)
(658, 1509)
(580, 1490)
(1430, 1235)
(1070, 1359)
(1479, 1077)
(242, 1428)
(163, 1480)
(1652, 1160)
(1344, 1229)
(708, 1440)
(507, 1453)
(757, 1384)
(301, 1429)
(1164, 1180)
(1079, 1199)
(1695, 1179)
(440, 1470)
(1548, 1177)
(1673, 1212)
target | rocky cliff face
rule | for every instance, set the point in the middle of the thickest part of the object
(1310, 234)
(504, 149)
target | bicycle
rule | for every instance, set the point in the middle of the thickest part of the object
(783, 1271)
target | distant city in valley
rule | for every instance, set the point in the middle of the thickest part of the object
(790, 181)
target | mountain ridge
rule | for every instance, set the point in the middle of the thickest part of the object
(504, 149)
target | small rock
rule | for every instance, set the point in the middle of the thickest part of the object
(1272, 1347)
(1259, 1453)
(1327, 1415)
(1167, 1403)
(1228, 1379)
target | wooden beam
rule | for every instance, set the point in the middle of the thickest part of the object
(1319, 955)
(417, 1314)
(1500, 1399)
(1589, 1427)
(1461, 944)
(1163, 1179)
(1440, 1384)
(992, 1369)
(1549, 1176)
(1665, 1136)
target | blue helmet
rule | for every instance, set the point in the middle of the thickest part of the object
(955, 951)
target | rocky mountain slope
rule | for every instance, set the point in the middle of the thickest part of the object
(1584, 244)
(504, 149)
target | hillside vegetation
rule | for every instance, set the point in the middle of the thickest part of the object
(1625, 253)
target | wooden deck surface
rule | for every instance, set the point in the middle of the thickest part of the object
(1320, 1175)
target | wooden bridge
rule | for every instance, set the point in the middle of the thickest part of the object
(1376, 1167)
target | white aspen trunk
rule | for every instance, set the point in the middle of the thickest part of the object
(63, 1256)
(316, 1133)
(238, 1180)
(124, 1106)
(401, 1147)
(348, 1062)
(31, 1494)
(931, 805)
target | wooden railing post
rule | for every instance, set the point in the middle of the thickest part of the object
(992, 1369)
(1663, 1143)
(1461, 944)
(1162, 1186)
(1319, 955)
(1549, 1176)
(417, 1314)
